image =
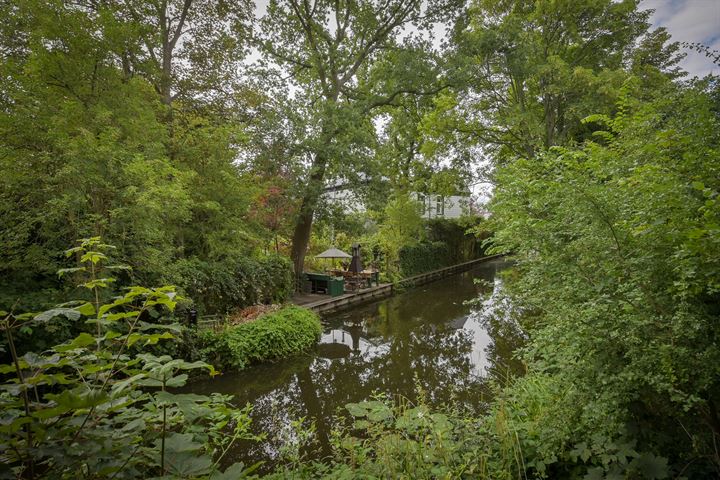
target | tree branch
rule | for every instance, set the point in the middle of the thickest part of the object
(181, 22)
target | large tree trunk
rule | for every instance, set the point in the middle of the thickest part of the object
(313, 190)
(303, 226)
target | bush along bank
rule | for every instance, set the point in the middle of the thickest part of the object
(100, 403)
(275, 335)
(219, 287)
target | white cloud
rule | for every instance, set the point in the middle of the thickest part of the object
(690, 21)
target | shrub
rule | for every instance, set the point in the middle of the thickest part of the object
(520, 437)
(450, 241)
(100, 406)
(286, 332)
(424, 257)
(218, 287)
(618, 252)
(463, 236)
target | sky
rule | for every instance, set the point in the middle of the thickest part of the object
(690, 21)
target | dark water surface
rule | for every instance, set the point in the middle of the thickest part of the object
(426, 337)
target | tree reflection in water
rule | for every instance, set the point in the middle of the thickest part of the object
(427, 337)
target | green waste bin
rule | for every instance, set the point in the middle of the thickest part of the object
(336, 286)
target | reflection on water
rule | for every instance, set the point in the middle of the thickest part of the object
(427, 337)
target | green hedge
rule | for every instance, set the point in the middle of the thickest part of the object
(423, 257)
(218, 287)
(463, 237)
(449, 242)
(286, 332)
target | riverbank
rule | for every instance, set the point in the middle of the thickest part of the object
(428, 338)
(325, 304)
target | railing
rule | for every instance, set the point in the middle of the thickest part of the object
(211, 322)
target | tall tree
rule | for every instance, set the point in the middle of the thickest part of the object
(628, 229)
(86, 150)
(326, 47)
(534, 69)
(188, 48)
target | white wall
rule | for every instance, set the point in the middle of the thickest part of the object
(437, 206)
(350, 202)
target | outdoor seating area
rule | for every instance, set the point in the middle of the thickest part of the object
(337, 281)
(324, 284)
(355, 281)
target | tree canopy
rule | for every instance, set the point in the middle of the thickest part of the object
(213, 146)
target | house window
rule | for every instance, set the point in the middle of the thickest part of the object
(440, 206)
(421, 199)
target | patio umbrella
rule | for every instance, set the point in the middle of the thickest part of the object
(333, 253)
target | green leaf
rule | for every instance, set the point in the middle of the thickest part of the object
(93, 257)
(46, 316)
(70, 251)
(652, 467)
(175, 327)
(190, 404)
(113, 317)
(356, 409)
(361, 424)
(183, 457)
(87, 309)
(63, 271)
(236, 471)
(98, 283)
(82, 340)
(177, 381)
(596, 473)
(121, 385)
(78, 399)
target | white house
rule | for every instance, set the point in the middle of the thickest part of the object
(433, 206)
(344, 198)
(439, 206)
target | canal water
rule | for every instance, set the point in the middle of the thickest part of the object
(432, 338)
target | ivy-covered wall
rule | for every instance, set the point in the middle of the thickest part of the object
(423, 257)
(463, 237)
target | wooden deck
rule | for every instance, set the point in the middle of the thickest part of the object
(326, 303)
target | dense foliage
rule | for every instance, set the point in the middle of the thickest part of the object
(142, 122)
(93, 142)
(283, 333)
(100, 405)
(423, 257)
(623, 363)
(447, 242)
(628, 229)
(402, 439)
(218, 287)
